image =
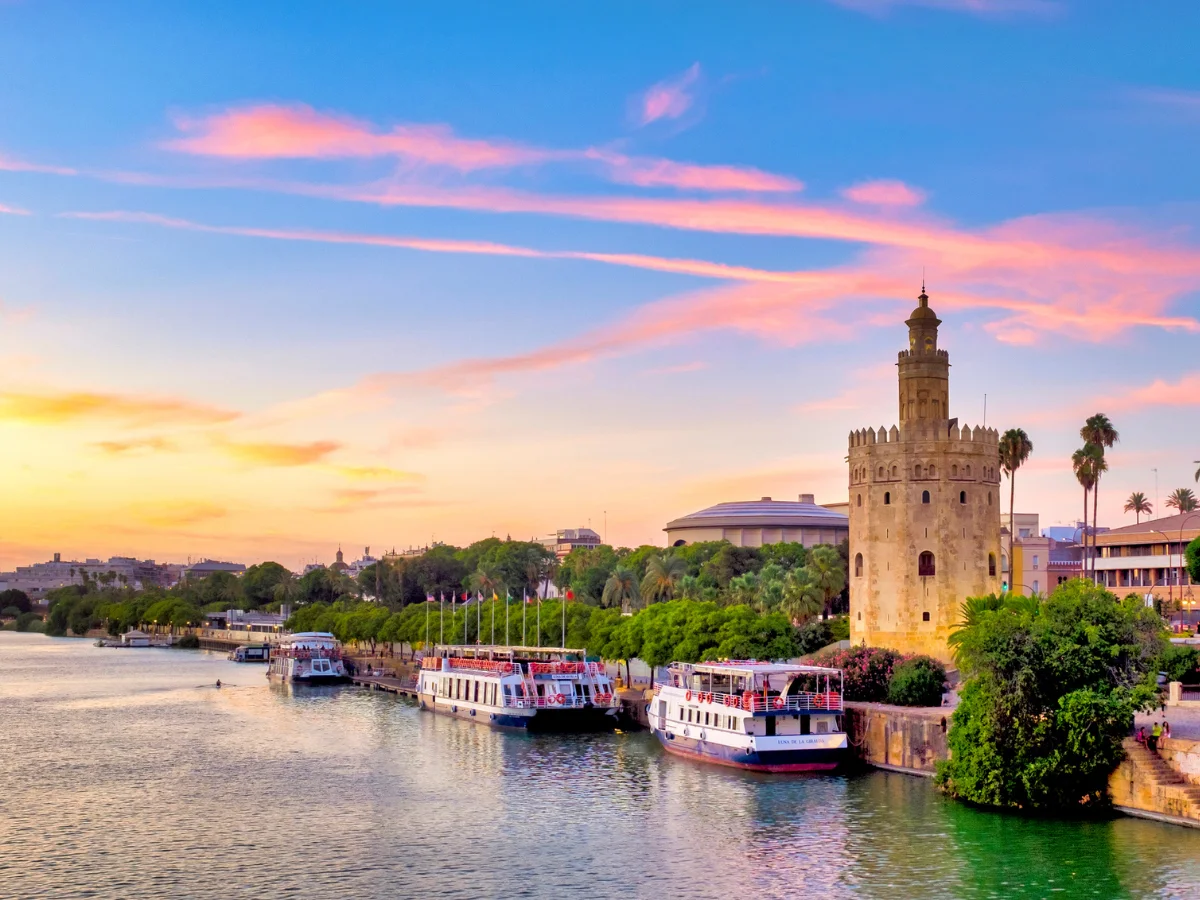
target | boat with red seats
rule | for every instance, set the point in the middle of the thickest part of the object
(530, 688)
(762, 716)
(309, 657)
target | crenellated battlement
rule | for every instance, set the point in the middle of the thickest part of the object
(926, 430)
(905, 355)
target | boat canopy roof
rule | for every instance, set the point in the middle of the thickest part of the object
(752, 667)
(492, 650)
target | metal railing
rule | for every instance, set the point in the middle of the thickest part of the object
(1189, 692)
(805, 701)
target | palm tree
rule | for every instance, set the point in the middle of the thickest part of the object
(1015, 447)
(827, 571)
(662, 575)
(1083, 463)
(621, 590)
(1098, 430)
(743, 589)
(1137, 503)
(1196, 462)
(287, 589)
(1183, 500)
(802, 598)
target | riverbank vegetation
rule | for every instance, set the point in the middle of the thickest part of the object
(683, 630)
(878, 675)
(1051, 686)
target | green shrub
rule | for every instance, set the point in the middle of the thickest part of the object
(188, 642)
(917, 681)
(1180, 662)
(840, 628)
(813, 636)
(29, 621)
(9, 612)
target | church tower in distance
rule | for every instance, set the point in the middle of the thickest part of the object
(924, 509)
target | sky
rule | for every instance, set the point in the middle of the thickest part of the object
(283, 276)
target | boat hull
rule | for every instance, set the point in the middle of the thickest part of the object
(816, 759)
(310, 679)
(541, 721)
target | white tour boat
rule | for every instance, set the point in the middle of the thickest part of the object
(532, 688)
(309, 657)
(250, 653)
(766, 717)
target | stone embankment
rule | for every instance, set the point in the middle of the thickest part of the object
(900, 738)
(1157, 785)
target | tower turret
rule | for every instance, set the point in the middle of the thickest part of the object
(924, 369)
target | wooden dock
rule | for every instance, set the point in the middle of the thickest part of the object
(399, 686)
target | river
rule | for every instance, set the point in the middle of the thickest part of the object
(126, 773)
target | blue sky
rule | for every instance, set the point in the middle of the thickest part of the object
(1035, 158)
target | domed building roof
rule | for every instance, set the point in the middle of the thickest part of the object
(754, 522)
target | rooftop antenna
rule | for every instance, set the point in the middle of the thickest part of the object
(985, 410)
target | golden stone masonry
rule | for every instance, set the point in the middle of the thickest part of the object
(924, 509)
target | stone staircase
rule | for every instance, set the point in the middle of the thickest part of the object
(1178, 796)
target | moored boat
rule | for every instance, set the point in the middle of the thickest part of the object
(530, 688)
(761, 716)
(251, 653)
(309, 657)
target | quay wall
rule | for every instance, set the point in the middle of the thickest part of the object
(1151, 785)
(900, 738)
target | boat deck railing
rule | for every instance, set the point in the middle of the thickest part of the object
(561, 701)
(805, 701)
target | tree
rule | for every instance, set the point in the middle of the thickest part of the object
(803, 598)
(1015, 447)
(1137, 503)
(1051, 688)
(662, 576)
(287, 589)
(827, 571)
(439, 571)
(1192, 557)
(1084, 462)
(621, 590)
(259, 581)
(1181, 499)
(1099, 432)
(14, 597)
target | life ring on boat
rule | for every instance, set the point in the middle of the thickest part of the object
(702, 735)
(689, 696)
(780, 703)
(560, 699)
(508, 668)
(727, 699)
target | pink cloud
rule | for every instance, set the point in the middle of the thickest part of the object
(884, 192)
(13, 210)
(300, 132)
(1172, 98)
(976, 7)
(1184, 392)
(650, 172)
(671, 98)
(9, 164)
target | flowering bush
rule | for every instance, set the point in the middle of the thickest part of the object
(917, 681)
(868, 671)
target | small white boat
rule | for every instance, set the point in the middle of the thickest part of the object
(765, 717)
(531, 688)
(250, 653)
(309, 657)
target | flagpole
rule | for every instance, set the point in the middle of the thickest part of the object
(442, 617)
(466, 617)
(506, 605)
(564, 631)
(493, 620)
(539, 631)
(478, 615)
(426, 647)
(524, 605)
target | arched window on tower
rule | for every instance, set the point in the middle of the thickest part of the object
(924, 496)
(968, 471)
(954, 471)
(962, 496)
(989, 498)
(916, 471)
(931, 471)
(992, 564)
(860, 499)
(881, 473)
(858, 565)
(925, 564)
(887, 498)
(895, 471)
(933, 408)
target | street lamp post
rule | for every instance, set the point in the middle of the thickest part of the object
(1195, 515)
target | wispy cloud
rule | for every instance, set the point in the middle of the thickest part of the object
(281, 455)
(376, 473)
(1175, 99)
(122, 448)
(974, 7)
(269, 132)
(134, 410)
(681, 369)
(301, 132)
(1184, 392)
(13, 210)
(10, 164)
(175, 513)
(884, 192)
(670, 98)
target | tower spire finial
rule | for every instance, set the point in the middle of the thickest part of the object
(924, 298)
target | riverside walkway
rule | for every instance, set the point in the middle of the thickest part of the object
(405, 687)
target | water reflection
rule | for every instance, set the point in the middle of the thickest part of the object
(127, 773)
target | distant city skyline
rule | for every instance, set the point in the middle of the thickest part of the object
(388, 274)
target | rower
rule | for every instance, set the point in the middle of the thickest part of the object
(218, 682)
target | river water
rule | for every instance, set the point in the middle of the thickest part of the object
(126, 773)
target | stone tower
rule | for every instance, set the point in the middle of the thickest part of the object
(924, 508)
